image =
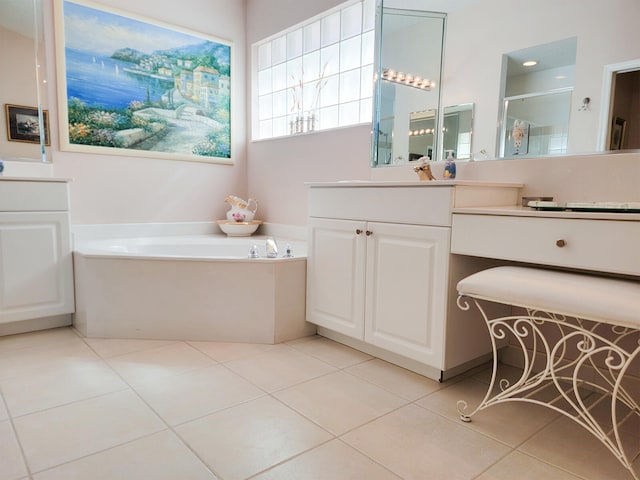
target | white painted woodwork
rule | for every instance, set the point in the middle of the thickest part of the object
(378, 270)
(406, 289)
(336, 275)
(602, 245)
(36, 273)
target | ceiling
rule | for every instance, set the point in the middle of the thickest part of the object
(549, 55)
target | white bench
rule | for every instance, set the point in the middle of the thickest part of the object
(579, 336)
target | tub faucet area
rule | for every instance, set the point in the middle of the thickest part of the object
(271, 247)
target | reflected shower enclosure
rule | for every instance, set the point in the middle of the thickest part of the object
(536, 101)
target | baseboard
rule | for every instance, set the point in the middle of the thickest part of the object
(35, 324)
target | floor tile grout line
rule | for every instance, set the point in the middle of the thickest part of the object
(366, 455)
(168, 426)
(66, 404)
(513, 448)
(388, 390)
(15, 434)
(340, 438)
(462, 424)
(288, 459)
(335, 366)
(489, 467)
(248, 355)
(172, 428)
(97, 452)
(371, 459)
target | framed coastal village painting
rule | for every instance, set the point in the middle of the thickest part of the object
(136, 87)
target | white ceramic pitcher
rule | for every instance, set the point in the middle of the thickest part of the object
(241, 210)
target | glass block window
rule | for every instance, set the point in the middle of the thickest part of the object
(316, 75)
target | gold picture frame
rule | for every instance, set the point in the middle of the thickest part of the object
(23, 124)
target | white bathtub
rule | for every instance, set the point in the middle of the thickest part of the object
(196, 287)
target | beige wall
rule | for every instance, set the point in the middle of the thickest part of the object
(278, 168)
(18, 81)
(113, 189)
(116, 189)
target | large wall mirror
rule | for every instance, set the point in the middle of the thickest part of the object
(536, 99)
(586, 52)
(24, 116)
(408, 76)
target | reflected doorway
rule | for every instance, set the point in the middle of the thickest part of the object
(624, 124)
(620, 113)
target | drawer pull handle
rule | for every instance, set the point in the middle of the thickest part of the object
(560, 243)
(368, 233)
(358, 231)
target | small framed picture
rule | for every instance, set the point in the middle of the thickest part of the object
(23, 124)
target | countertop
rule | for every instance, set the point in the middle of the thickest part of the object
(416, 183)
(518, 211)
(33, 179)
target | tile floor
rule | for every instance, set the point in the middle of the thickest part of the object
(311, 409)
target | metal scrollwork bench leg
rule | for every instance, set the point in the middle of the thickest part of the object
(576, 395)
(571, 365)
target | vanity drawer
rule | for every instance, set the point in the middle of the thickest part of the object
(600, 245)
(33, 196)
(410, 205)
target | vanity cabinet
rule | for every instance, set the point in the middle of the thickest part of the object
(380, 276)
(383, 283)
(36, 273)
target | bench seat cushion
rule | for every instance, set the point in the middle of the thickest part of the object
(603, 299)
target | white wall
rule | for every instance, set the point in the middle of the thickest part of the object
(117, 189)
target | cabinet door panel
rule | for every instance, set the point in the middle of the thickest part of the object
(36, 277)
(406, 285)
(335, 275)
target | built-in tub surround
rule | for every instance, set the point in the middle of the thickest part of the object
(197, 287)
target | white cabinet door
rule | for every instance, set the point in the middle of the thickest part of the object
(406, 290)
(335, 275)
(36, 273)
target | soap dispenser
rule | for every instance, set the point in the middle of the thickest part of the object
(450, 168)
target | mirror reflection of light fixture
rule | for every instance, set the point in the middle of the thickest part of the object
(407, 79)
(529, 63)
(422, 131)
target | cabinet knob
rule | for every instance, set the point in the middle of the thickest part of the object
(368, 233)
(358, 231)
(561, 243)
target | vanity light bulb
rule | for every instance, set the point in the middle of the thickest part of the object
(400, 76)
